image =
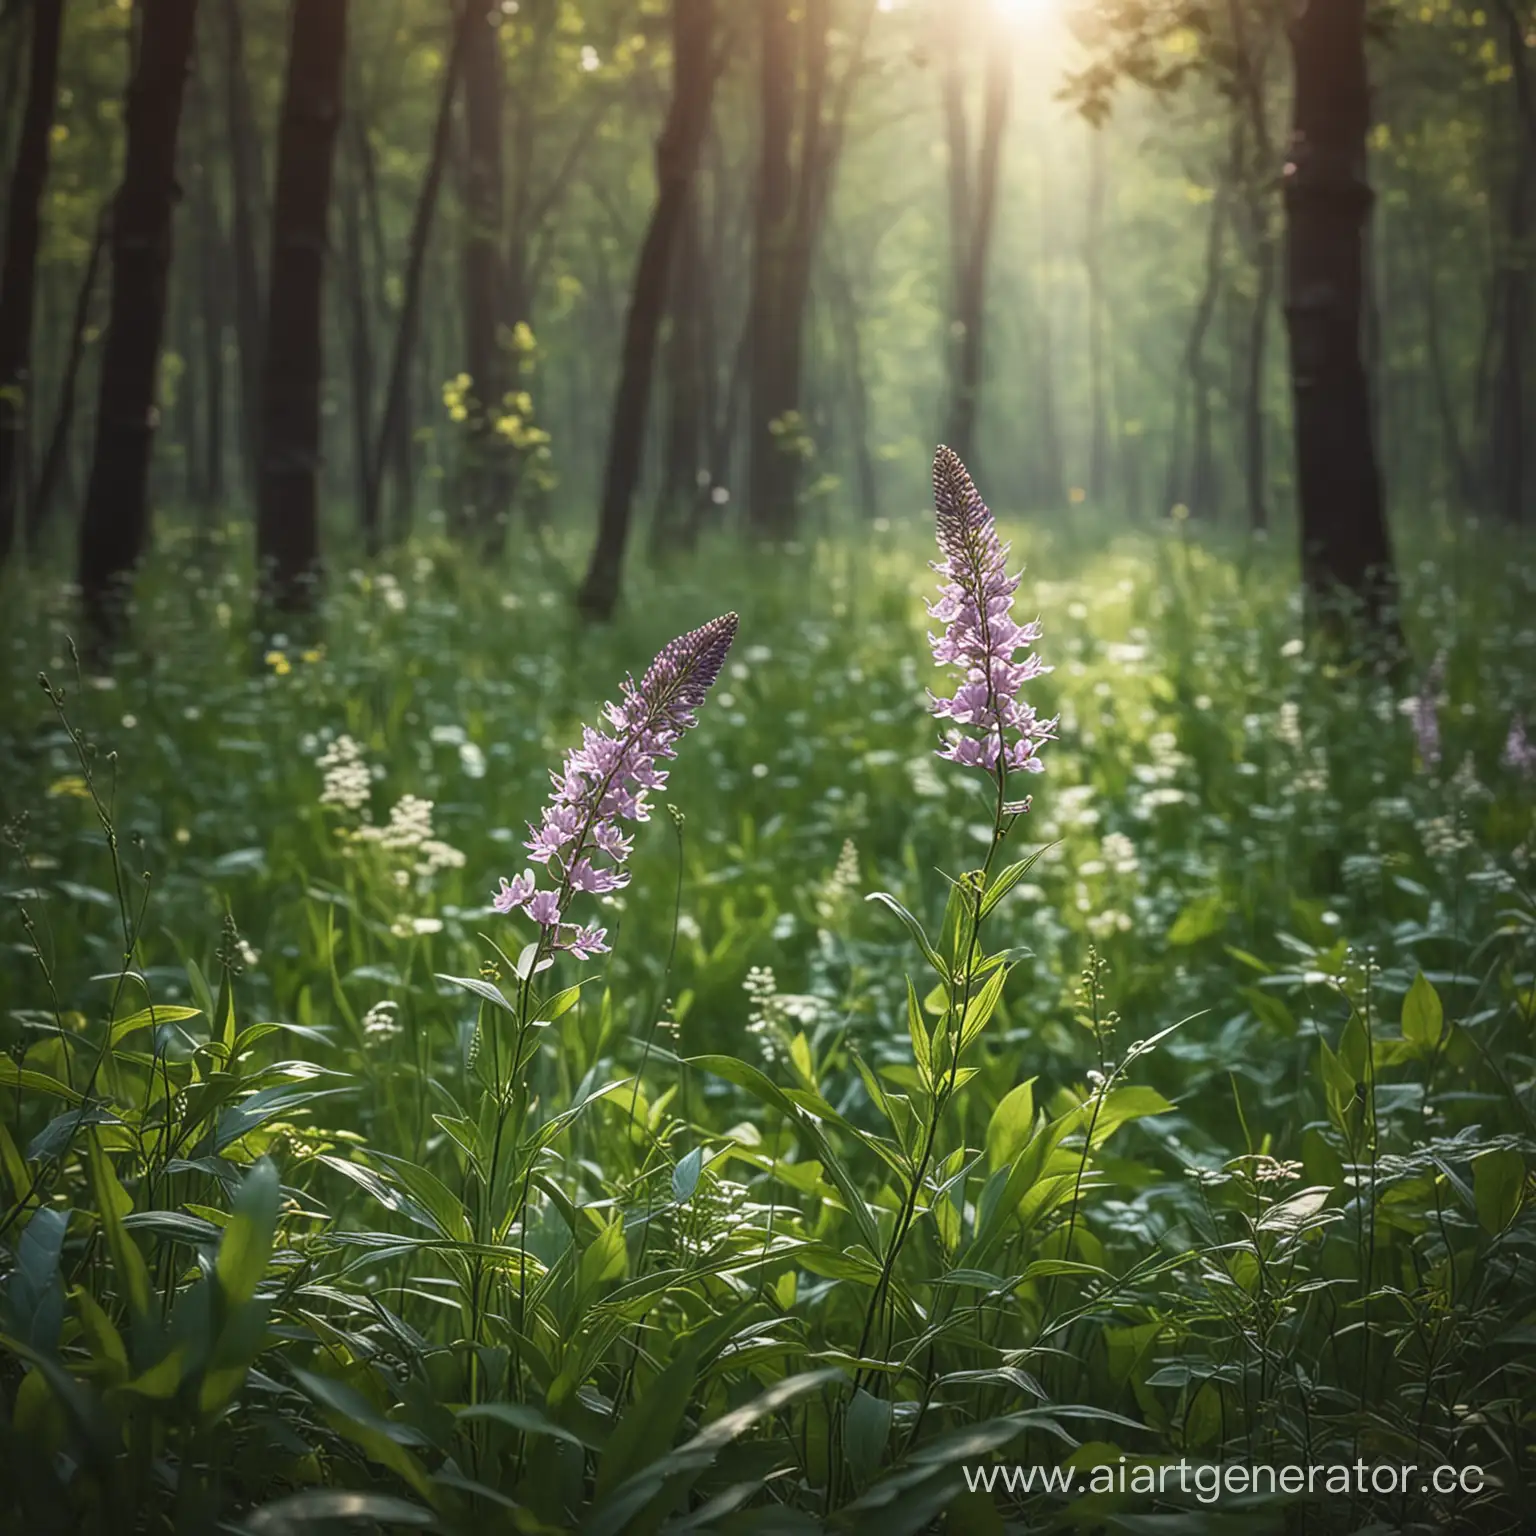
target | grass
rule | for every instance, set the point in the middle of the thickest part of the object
(1214, 1145)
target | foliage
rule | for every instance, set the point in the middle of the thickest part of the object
(1197, 1123)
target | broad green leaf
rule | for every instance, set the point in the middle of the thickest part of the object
(246, 1245)
(1203, 917)
(866, 1431)
(1498, 1183)
(147, 1017)
(1011, 1125)
(685, 1176)
(1423, 1017)
(114, 1204)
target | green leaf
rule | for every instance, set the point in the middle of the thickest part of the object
(484, 990)
(1203, 917)
(1423, 1016)
(1134, 1101)
(1498, 1184)
(606, 1258)
(866, 1432)
(649, 1426)
(440, 1202)
(524, 1418)
(621, 1510)
(114, 1204)
(1010, 877)
(915, 928)
(12, 1076)
(146, 1017)
(685, 1177)
(1012, 1122)
(247, 1242)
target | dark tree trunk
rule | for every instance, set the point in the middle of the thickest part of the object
(246, 194)
(213, 268)
(685, 365)
(677, 156)
(1510, 466)
(288, 484)
(359, 334)
(792, 194)
(1344, 541)
(114, 526)
(1191, 481)
(771, 479)
(18, 267)
(55, 454)
(486, 482)
(396, 403)
(969, 322)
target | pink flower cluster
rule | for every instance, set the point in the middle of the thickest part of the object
(991, 722)
(606, 780)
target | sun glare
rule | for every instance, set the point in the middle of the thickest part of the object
(1025, 10)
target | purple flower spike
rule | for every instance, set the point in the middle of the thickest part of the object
(1519, 751)
(606, 779)
(992, 727)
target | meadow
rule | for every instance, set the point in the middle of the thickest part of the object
(325, 1201)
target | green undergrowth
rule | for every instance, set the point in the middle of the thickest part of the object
(1197, 1128)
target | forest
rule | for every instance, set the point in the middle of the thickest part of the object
(767, 766)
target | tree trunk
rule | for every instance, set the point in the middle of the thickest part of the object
(677, 156)
(685, 365)
(114, 526)
(56, 453)
(1344, 541)
(395, 391)
(971, 287)
(246, 194)
(771, 481)
(288, 482)
(18, 267)
(486, 481)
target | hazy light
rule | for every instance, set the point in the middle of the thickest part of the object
(1025, 10)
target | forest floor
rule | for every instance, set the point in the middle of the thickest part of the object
(1236, 837)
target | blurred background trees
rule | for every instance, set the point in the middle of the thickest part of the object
(498, 268)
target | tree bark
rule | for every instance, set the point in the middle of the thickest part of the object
(487, 484)
(18, 267)
(246, 194)
(677, 157)
(288, 484)
(395, 391)
(114, 526)
(55, 454)
(1345, 546)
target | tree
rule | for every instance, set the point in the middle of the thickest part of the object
(1344, 542)
(794, 182)
(288, 481)
(114, 525)
(18, 266)
(973, 216)
(410, 304)
(487, 485)
(677, 155)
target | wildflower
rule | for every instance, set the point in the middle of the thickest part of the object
(347, 780)
(1519, 753)
(279, 663)
(981, 638)
(380, 1023)
(1426, 714)
(607, 779)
